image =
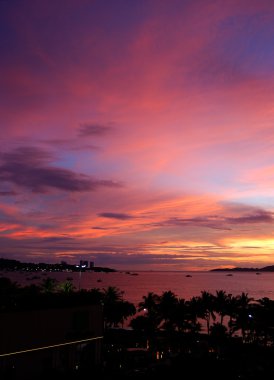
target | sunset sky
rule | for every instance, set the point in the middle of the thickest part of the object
(138, 134)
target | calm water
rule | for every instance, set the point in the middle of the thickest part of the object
(135, 286)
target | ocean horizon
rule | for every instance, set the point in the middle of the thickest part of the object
(136, 284)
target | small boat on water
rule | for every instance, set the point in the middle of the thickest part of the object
(132, 274)
(188, 275)
(229, 274)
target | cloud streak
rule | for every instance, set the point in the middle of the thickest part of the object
(222, 222)
(28, 168)
(87, 130)
(113, 215)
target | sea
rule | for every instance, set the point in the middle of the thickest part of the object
(135, 285)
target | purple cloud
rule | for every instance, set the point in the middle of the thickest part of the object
(69, 144)
(30, 168)
(93, 130)
(99, 228)
(258, 216)
(7, 193)
(114, 215)
(220, 222)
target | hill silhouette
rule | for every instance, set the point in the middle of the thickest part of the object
(269, 268)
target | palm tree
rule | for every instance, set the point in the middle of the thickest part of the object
(232, 306)
(150, 303)
(194, 312)
(244, 317)
(116, 310)
(181, 315)
(150, 306)
(167, 309)
(112, 294)
(207, 308)
(221, 302)
(123, 310)
(151, 319)
(264, 320)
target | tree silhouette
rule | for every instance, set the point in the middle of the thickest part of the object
(49, 285)
(244, 317)
(116, 310)
(221, 304)
(66, 287)
(195, 312)
(168, 303)
(206, 301)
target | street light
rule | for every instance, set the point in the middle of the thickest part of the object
(80, 274)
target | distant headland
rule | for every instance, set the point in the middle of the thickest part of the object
(269, 268)
(83, 266)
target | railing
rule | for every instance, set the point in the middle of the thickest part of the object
(51, 346)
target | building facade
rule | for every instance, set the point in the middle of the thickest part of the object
(47, 342)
